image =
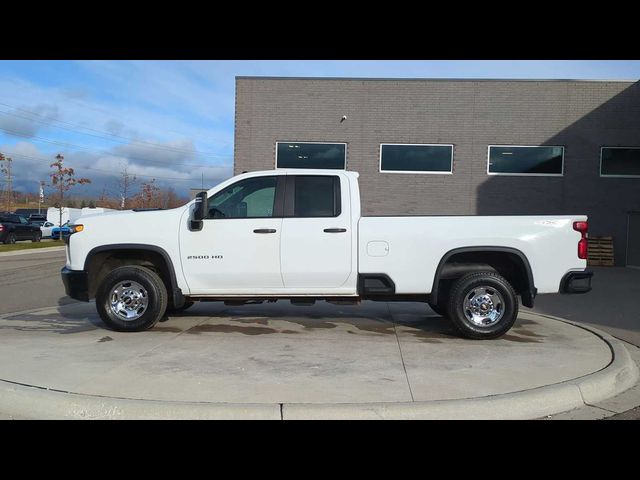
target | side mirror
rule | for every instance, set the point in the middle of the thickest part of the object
(199, 211)
(201, 204)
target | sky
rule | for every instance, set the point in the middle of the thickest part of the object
(173, 121)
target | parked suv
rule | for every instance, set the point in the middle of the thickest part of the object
(16, 227)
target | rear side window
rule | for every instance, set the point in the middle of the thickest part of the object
(316, 196)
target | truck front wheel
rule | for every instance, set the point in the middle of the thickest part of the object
(131, 299)
(482, 305)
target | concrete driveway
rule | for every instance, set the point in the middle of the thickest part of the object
(376, 360)
(284, 357)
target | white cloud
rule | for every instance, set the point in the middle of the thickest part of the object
(27, 121)
(32, 165)
(109, 119)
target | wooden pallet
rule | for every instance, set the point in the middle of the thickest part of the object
(600, 251)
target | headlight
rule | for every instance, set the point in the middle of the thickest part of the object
(72, 229)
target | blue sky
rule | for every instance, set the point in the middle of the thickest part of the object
(173, 120)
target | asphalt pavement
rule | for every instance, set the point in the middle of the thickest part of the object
(610, 306)
(31, 280)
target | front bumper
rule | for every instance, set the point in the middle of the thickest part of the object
(576, 282)
(76, 283)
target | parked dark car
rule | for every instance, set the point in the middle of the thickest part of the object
(16, 227)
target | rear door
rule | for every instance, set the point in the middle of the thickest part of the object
(316, 233)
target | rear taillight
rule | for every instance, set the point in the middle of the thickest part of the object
(1, 228)
(581, 227)
(583, 248)
(583, 244)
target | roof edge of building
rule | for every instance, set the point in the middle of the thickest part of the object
(423, 79)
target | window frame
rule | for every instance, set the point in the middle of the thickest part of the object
(561, 174)
(278, 199)
(312, 143)
(616, 176)
(425, 172)
(290, 200)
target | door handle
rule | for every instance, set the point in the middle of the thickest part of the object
(335, 230)
(264, 230)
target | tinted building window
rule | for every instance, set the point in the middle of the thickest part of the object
(416, 158)
(616, 161)
(311, 155)
(315, 196)
(526, 160)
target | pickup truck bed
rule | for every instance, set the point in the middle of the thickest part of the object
(547, 243)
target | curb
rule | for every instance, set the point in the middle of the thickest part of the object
(35, 402)
(621, 374)
(27, 251)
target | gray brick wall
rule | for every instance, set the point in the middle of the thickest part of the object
(581, 116)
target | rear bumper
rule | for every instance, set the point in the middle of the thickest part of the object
(576, 282)
(76, 283)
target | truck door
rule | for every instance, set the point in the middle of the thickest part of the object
(316, 233)
(238, 249)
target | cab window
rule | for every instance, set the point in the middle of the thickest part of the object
(250, 198)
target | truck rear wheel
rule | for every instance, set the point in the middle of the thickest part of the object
(10, 239)
(482, 305)
(131, 299)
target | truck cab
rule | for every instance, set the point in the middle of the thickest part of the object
(275, 233)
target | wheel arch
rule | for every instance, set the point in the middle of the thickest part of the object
(100, 259)
(490, 257)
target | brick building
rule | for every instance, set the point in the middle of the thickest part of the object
(458, 147)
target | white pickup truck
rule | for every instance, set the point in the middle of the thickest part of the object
(299, 235)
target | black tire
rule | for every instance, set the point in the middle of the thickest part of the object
(37, 236)
(173, 310)
(10, 239)
(471, 284)
(156, 295)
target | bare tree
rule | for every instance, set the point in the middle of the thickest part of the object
(149, 194)
(126, 184)
(62, 180)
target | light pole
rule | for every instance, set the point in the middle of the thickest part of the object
(40, 196)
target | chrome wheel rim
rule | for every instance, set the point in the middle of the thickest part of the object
(128, 300)
(483, 306)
